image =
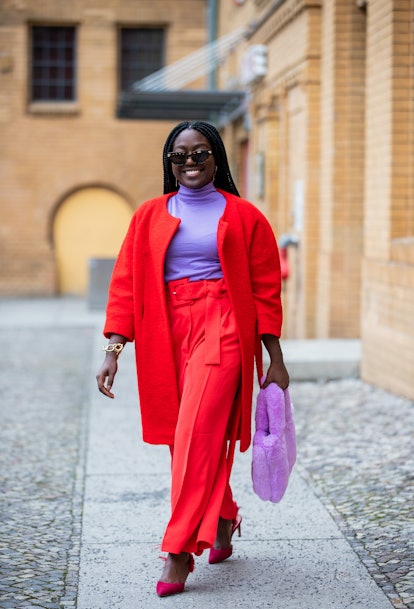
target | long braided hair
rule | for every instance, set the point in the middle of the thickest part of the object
(223, 178)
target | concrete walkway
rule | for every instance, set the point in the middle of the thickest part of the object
(291, 555)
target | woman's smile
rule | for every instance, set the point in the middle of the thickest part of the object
(192, 172)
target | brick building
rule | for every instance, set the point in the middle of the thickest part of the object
(323, 144)
(328, 138)
(71, 172)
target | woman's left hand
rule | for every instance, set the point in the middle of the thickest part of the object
(278, 374)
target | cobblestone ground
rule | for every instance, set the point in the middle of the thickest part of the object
(355, 446)
(41, 444)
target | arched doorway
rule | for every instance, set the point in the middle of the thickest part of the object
(89, 224)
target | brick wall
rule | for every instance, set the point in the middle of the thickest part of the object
(388, 265)
(342, 169)
(50, 150)
(335, 113)
(284, 128)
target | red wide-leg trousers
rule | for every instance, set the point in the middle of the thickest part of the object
(208, 365)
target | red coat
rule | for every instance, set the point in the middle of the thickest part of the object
(137, 305)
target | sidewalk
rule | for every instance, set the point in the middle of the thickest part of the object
(307, 359)
(291, 555)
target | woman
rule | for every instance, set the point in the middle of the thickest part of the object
(196, 285)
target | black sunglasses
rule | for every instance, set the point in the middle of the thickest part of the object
(180, 158)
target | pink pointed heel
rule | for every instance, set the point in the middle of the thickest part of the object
(220, 554)
(170, 588)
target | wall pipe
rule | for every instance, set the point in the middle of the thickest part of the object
(212, 36)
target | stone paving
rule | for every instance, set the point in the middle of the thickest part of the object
(41, 442)
(354, 443)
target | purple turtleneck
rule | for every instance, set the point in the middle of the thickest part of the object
(193, 250)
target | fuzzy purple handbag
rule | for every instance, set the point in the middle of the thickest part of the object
(274, 443)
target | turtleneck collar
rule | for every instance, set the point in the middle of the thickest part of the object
(199, 195)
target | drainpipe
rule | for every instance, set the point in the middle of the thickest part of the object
(212, 36)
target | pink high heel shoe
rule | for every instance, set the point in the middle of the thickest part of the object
(218, 555)
(170, 588)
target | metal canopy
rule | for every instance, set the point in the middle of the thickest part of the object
(162, 95)
(182, 105)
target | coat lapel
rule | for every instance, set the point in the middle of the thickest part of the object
(162, 229)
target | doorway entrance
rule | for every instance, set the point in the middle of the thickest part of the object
(90, 224)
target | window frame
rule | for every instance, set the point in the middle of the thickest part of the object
(62, 105)
(123, 27)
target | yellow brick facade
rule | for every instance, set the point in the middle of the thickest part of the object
(285, 130)
(50, 151)
(333, 117)
(387, 327)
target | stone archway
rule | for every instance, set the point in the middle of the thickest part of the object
(89, 224)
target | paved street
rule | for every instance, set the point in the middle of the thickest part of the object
(356, 452)
(84, 501)
(43, 405)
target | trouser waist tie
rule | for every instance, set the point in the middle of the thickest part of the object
(212, 332)
(184, 292)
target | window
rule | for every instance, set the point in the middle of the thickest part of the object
(141, 54)
(53, 64)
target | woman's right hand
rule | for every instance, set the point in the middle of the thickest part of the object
(106, 374)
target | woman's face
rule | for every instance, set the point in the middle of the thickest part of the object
(191, 174)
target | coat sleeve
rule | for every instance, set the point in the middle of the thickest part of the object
(265, 277)
(120, 307)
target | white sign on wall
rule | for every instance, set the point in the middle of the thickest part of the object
(254, 64)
